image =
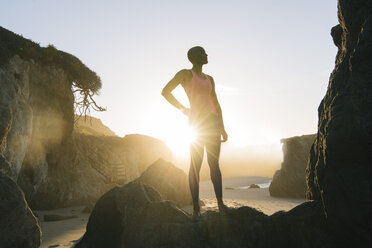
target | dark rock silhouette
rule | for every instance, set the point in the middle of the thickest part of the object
(339, 173)
(290, 180)
(254, 186)
(171, 182)
(18, 225)
(135, 216)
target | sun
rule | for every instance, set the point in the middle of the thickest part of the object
(180, 139)
(172, 127)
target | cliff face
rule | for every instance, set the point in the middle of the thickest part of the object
(53, 165)
(36, 103)
(290, 180)
(339, 173)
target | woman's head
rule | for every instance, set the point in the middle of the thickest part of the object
(197, 55)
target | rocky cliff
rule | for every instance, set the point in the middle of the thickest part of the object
(339, 173)
(53, 165)
(36, 103)
(290, 180)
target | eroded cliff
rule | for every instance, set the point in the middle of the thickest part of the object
(290, 180)
(53, 165)
(339, 173)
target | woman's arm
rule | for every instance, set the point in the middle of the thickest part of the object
(171, 85)
(218, 109)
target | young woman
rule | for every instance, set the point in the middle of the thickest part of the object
(205, 116)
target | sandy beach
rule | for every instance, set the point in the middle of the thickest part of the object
(65, 233)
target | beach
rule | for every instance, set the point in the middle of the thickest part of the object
(65, 233)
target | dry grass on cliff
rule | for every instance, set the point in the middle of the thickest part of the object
(12, 44)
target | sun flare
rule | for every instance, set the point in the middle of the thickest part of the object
(181, 139)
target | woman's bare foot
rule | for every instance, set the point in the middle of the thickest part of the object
(222, 207)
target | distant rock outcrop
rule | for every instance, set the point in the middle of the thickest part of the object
(91, 125)
(290, 180)
(171, 182)
(135, 216)
(18, 225)
(339, 173)
(119, 160)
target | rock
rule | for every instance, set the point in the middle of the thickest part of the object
(290, 180)
(57, 217)
(254, 186)
(142, 151)
(170, 181)
(119, 160)
(135, 216)
(91, 125)
(339, 173)
(18, 225)
(127, 216)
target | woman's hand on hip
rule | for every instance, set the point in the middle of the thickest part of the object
(185, 111)
(224, 135)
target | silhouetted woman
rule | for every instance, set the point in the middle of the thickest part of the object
(205, 116)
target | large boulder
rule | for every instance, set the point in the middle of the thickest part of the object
(170, 181)
(18, 226)
(290, 180)
(339, 173)
(135, 216)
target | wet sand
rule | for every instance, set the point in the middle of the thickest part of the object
(65, 233)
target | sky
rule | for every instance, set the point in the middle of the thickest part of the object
(270, 59)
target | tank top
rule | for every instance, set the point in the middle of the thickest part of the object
(199, 92)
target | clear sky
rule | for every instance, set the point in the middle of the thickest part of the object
(271, 59)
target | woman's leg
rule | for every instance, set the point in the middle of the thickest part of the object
(213, 147)
(197, 152)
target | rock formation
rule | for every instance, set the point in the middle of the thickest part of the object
(18, 226)
(37, 116)
(135, 216)
(290, 180)
(91, 125)
(170, 182)
(339, 173)
(53, 165)
(119, 160)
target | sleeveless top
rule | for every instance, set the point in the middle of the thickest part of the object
(199, 92)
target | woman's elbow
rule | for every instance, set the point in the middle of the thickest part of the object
(164, 93)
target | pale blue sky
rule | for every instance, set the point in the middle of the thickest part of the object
(271, 59)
